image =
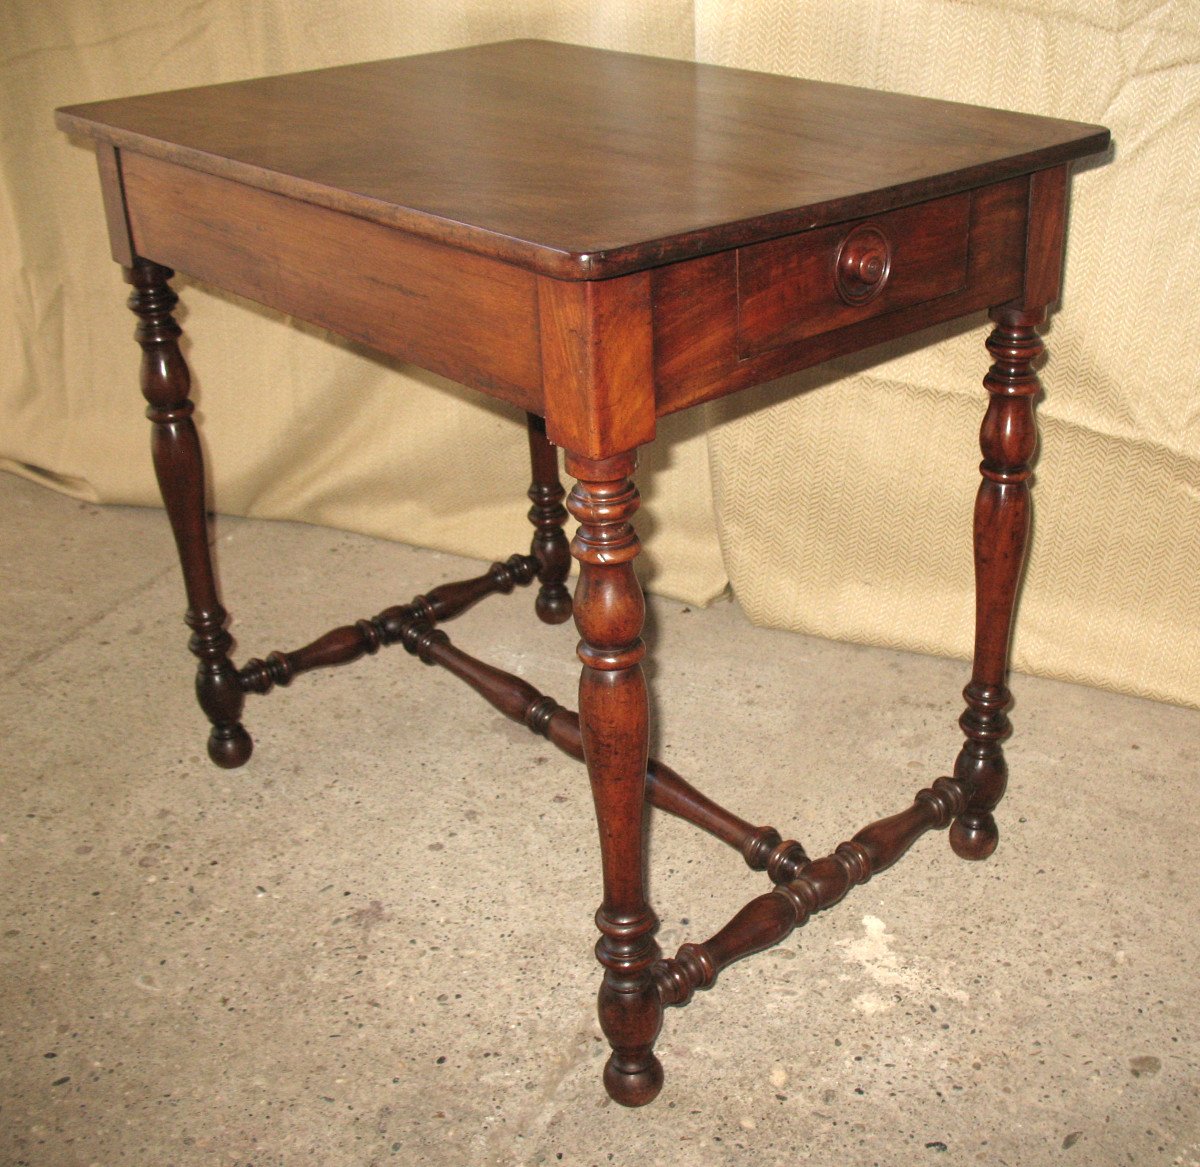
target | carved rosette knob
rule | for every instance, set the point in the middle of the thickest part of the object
(864, 262)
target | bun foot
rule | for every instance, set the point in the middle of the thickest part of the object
(553, 605)
(230, 746)
(974, 836)
(633, 1083)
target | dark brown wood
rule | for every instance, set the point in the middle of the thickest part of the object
(517, 699)
(762, 847)
(179, 466)
(697, 352)
(581, 163)
(547, 514)
(602, 239)
(120, 241)
(598, 364)
(465, 316)
(1008, 439)
(770, 918)
(1046, 236)
(801, 286)
(344, 645)
(614, 721)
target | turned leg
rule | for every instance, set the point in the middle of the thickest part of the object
(180, 470)
(614, 721)
(549, 547)
(1008, 439)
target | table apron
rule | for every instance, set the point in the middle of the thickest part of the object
(466, 316)
(721, 325)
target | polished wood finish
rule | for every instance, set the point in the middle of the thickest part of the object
(178, 464)
(761, 847)
(1045, 236)
(411, 625)
(801, 286)
(112, 190)
(1008, 438)
(770, 918)
(548, 515)
(601, 239)
(698, 351)
(465, 316)
(614, 722)
(344, 645)
(580, 163)
(598, 364)
(574, 164)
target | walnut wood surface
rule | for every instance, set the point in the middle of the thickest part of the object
(548, 515)
(1045, 236)
(601, 239)
(762, 847)
(614, 724)
(465, 316)
(789, 289)
(120, 238)
(413, 626)
(344, 645)
(579, 162)
(598, 363)
(179, 467)
(697, 349)
(1008, 438)
(257, 187)
(770, 918)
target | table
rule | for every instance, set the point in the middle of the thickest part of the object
(600, 239)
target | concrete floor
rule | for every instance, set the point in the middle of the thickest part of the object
(372, 945)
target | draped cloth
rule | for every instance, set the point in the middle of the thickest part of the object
(836, 501)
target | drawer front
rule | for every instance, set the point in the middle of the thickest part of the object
(801, 286)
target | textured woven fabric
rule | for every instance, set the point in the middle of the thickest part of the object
(295, 427)
(842, 496)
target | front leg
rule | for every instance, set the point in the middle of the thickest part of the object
(614, 720)
(1008, 439)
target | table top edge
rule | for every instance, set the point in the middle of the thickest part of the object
(582, 258)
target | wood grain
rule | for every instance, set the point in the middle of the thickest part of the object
(598, 364)
(601, 238)
(696, 345)
(614, 720)
(120, 242)
(579, 162)
(819, 884)
(1046, 236)
(1007, 440)
(179, 467)
(467, 317)
(788, 288)
(549, 545)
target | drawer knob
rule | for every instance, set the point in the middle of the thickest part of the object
(864, 262)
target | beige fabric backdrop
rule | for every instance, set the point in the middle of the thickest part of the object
(852, 525)
(842, 496)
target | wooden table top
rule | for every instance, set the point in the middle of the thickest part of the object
(581, 163)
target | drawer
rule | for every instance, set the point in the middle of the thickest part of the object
(800, 286)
